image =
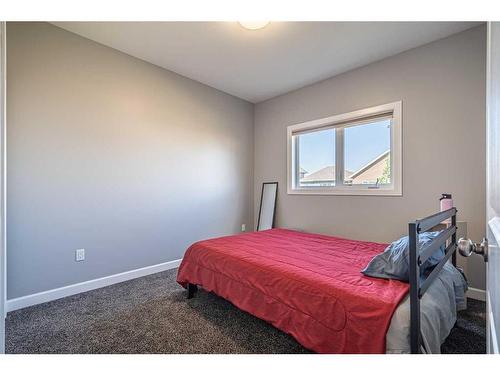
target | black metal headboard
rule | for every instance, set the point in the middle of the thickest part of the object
(419, 256)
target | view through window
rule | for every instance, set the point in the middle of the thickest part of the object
(367, 153)
(317, 158)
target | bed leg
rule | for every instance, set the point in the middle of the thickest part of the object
(192, 288)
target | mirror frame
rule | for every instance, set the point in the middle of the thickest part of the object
(275, 201)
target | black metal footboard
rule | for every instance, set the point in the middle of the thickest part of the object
(419, 256)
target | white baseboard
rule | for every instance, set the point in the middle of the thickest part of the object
(65, 291)
(478, 294)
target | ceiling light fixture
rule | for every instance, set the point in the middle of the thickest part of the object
(253, 25)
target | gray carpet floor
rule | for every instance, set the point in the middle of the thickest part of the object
(152, 315)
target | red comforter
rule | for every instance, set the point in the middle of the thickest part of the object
(307, 285)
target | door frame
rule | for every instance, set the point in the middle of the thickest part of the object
(491, 333)
(493, 224)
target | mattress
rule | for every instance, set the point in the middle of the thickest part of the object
(307, 285)
(438, 311)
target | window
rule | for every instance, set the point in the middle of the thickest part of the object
(357, 153)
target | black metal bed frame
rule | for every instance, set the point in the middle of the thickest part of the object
(419, 256)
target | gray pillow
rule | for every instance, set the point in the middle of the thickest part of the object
(394, 262)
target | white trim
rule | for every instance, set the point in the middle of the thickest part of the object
(65, 291)
(395, 189)
(491, 335)
(478, 294)
(494, 226)
(339, 157)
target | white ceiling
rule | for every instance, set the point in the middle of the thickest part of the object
(258, 65)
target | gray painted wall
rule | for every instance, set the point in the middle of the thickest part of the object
(442, 86)
(2, 182)
(117, 156)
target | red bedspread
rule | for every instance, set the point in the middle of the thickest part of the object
(307, 285)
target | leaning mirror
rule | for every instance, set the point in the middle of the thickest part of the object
(267, 205)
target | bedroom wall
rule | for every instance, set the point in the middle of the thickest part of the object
(442, 86)
(2, 187)
(112, 154)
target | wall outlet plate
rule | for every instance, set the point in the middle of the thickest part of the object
(79, 255)
(243, 227)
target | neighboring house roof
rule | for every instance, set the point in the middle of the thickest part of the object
(371, 164)
(324, 174)
(370, 171)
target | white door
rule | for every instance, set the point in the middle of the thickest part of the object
(2, 188)
(493, 188)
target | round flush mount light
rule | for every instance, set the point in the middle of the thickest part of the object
(253, 25)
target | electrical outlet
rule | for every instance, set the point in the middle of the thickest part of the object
(80, 255)
(243, 227)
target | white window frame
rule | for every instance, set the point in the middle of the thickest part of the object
(340, 122)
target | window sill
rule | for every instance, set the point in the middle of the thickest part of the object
(351, 192)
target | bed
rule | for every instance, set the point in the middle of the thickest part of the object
(310, 286)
